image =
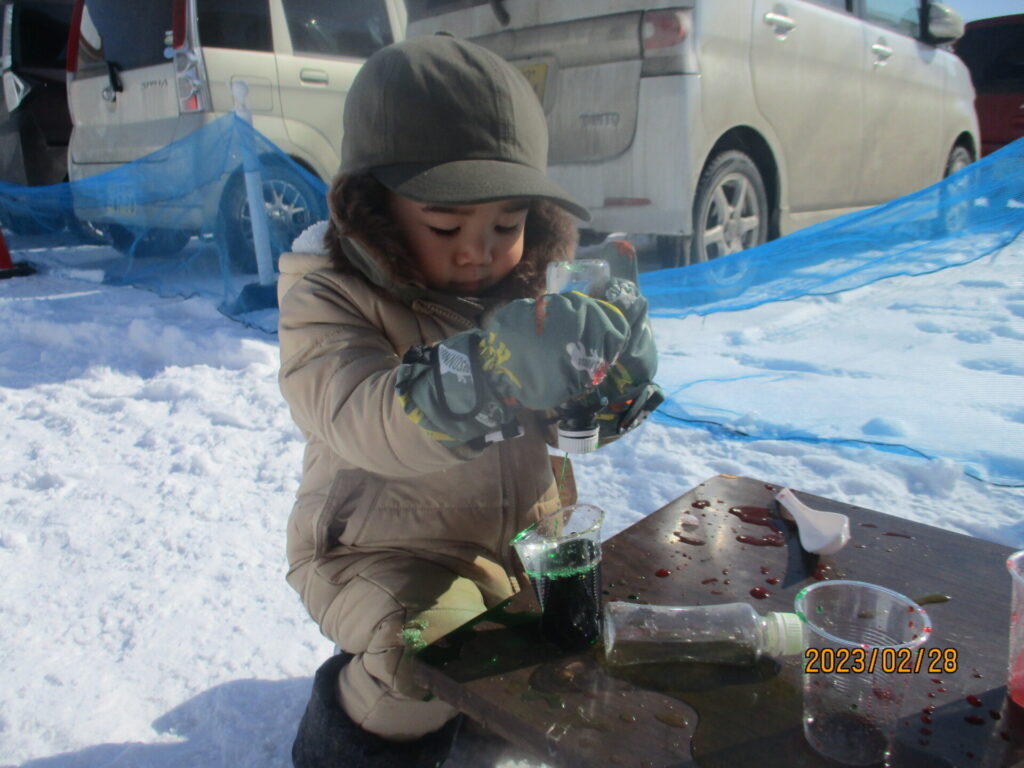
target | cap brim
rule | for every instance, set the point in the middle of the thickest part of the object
(464, 182)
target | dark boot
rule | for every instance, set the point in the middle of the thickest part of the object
(327, 737)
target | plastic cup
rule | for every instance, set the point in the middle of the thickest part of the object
(1015, 679)
(561, 553)
(862, 640)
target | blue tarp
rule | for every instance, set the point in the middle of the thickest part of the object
(167, 222)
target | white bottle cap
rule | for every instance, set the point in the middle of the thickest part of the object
(785, 635)
(578, 441)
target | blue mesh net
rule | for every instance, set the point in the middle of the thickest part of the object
(953, 391)
(177, 222)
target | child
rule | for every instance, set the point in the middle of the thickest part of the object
(422, 366)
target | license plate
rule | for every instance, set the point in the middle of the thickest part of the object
(537, 76)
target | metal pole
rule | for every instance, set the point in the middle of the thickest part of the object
(254, 190)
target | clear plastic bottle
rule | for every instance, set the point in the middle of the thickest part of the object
(732, 633)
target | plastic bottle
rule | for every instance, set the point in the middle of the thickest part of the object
(732, 633)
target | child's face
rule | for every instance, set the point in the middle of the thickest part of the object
(463, 249)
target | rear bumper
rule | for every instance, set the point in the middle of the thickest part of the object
(648, 188)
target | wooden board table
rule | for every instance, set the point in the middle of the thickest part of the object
(573, 711)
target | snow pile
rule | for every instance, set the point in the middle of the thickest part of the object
(148, 464)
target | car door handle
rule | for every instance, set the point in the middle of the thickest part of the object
(882, 53)
(314, 76)
(779, 21)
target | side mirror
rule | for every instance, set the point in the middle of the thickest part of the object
(944, 24)
(15, 90)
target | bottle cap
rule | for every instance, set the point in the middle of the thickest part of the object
(785, 634)
(577, 440)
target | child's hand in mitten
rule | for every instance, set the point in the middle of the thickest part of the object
(532, 353)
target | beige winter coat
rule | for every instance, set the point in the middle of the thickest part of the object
(373, 483)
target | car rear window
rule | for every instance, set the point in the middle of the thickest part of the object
(356, 28)
(40, 35)
(425, 9)
(128, 34)
(241, 26)
(995, 57)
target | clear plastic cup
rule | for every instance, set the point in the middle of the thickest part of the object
(863, 642)
(561, 553)
(1015, 678)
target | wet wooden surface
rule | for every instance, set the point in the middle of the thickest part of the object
(573, 711)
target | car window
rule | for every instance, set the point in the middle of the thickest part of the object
(424, 9)
(842, 5)
(898, 15)
(128, 34)
(236, 25)
(40, 35)
(995, 56)
(324, 27)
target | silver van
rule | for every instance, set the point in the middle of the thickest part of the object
(144, 74)
(721, 123)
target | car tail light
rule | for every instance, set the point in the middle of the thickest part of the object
(179, 10)
(663, 29)
(189, 72)
(667, 42)
(74, 35)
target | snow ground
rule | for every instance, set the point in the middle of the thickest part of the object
(148, 464)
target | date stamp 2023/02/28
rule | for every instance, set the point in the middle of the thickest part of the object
(859, 661)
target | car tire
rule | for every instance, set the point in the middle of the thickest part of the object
(291, 206)
(730, 211)
(90, 232)
(954, 210)
(143, 243)
(959, 158)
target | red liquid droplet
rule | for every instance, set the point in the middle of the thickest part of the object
(930, 709)
(869, 525)
(753, 515)
(975, 720)
(884, 694)
(995, 715)
(931, 695)
(973, 700)
(661, 573)
(942, 690)
(898, 535)
(936, 681)
(772, 580)
(712, 580)
(926, 719)
(701, 504)
(759, 593)
(765, 569)
(822, 572)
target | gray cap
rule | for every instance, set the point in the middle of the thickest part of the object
(443, 120)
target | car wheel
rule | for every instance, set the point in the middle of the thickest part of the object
(90, 232)
(291, 208)
(954, 209)
(730, 212)
(147, 242)
(958, 159)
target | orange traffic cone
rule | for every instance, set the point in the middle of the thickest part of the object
(9, 268)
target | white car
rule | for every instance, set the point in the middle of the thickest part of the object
(723, 123)
(144, 74)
